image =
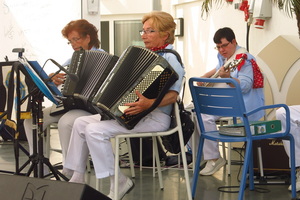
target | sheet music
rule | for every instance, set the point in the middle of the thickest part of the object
(38, 81)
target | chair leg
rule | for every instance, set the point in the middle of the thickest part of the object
(260, 162)
(141, 154)
(130, 157)
(185, 167)
(88, 166)
(156, 155)
(179, 159)
(197, 167)
(116, 186)
(224, 150)
(194, 117)
(293, 166)
(251, 172)
(229, 159)
(98, 184)
(247, 159)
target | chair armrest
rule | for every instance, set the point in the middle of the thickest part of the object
(287, 111)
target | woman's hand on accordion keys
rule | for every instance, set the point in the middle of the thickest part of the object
(142, 104)
(58, 79)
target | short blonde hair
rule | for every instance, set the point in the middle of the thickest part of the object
(164, 22)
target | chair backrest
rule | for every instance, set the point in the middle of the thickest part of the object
(220, 101)
(181, 93)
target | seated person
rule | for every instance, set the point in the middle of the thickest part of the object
(253, 95)
(92, 136)
(80, 34)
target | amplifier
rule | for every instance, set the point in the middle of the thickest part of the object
(274, 157)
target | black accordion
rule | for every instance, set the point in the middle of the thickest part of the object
(92, 67)
(137, 69)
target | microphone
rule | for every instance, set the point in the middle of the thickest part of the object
(73, 77)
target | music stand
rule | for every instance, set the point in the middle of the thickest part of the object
(4, 112)
(43, 87)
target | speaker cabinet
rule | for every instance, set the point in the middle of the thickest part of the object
(14, 187)
(274, 157)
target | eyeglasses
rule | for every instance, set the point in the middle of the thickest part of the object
(222, 46)
(142, 32)
(73, 40)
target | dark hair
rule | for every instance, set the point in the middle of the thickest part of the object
(224, 33)
(84, 28)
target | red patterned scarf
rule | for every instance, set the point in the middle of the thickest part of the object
(159, 48)
(258, 79)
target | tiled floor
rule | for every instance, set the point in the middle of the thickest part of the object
(147, 187)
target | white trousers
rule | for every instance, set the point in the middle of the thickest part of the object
(65, 124)
(295, 129)
(90, 135)
(210, 148)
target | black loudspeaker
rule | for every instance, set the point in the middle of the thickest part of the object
(14, 187)
(274, 157)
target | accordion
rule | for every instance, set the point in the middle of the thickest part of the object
(137, 69)
(92, 67)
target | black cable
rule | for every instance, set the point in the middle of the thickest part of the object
(223, 189)
(247, 36)
(229, 189)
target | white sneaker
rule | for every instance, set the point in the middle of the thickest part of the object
(212, 166)
(297, 182)
(123, 189)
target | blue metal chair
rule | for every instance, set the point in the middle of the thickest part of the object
(228, 102)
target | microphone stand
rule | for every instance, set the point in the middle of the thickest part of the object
(37, 158)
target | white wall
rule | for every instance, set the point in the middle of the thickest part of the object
(197, 47)
(121, 7)
(36, 26)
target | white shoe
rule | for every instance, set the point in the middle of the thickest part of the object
(212, 166)
(123, 189)
(297, 182)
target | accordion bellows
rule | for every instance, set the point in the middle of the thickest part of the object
(106, 83)
(92, 68)
(137, 69)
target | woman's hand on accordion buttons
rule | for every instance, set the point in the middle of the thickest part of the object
(58, 79)
(136, 107)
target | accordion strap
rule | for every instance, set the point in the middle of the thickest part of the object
(171, 51)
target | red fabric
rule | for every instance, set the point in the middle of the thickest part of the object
(241, 55)
(258, 79)
(159, 48)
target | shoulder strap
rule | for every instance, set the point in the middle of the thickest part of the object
(171, 51)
